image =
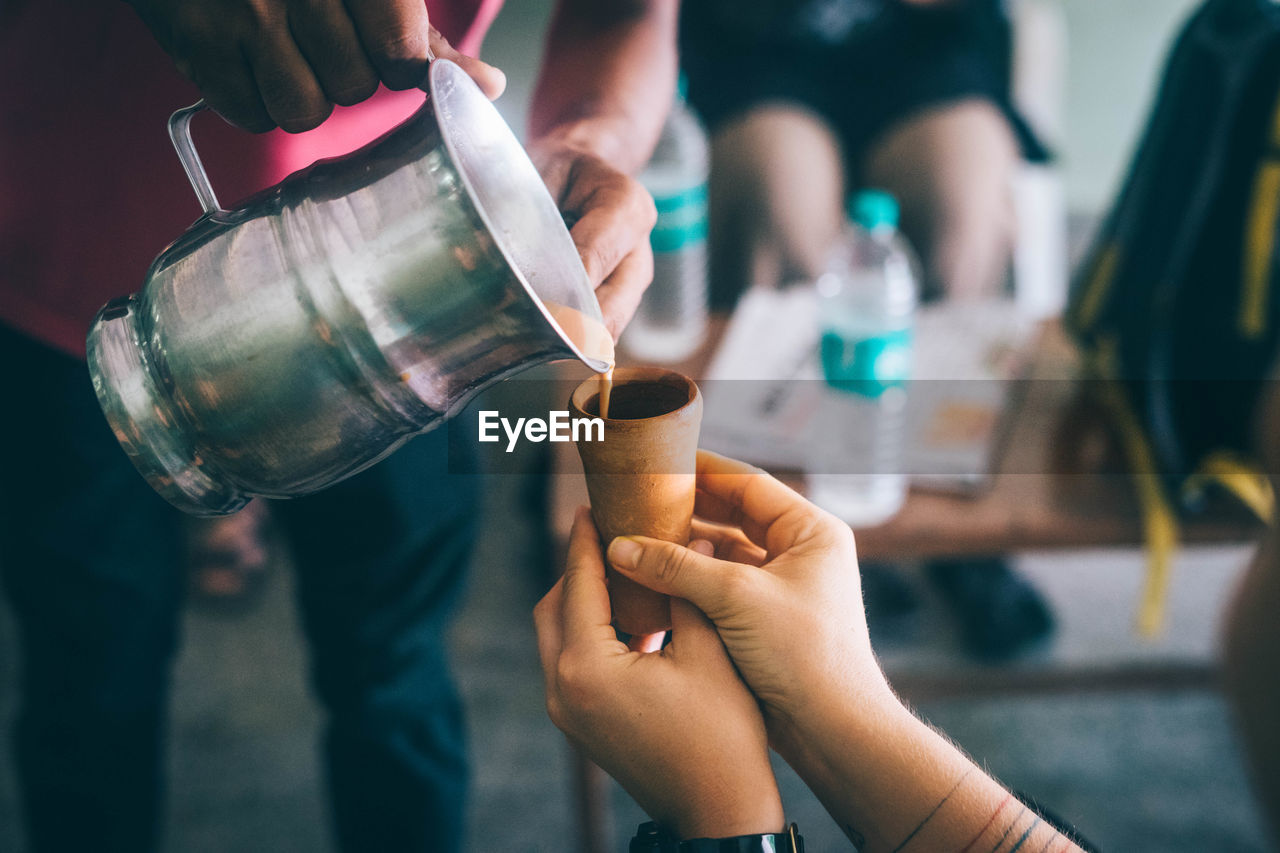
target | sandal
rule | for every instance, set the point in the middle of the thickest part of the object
(228, 557)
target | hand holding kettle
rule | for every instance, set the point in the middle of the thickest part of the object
(268, 63)
(286, 63)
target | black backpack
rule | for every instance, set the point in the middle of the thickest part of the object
(1176, 306)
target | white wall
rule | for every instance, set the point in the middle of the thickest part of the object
(1116, 51)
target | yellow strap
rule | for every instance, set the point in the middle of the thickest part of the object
(1159, 522)
(1251, 486)
(1259, 247)
(1161, 528)
(1099, 282)
(1259, 238)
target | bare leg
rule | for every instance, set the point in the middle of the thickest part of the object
(1253, 638)
(776, 199)
(951, 168)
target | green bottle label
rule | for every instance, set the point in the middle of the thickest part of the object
(867, 366)
(682, 220)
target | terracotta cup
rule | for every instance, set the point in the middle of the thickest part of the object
(641, 477)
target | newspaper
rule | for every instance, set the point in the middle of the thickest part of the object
(763, 386)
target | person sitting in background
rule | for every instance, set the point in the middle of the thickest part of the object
(768, 647)
(807, 100)
(1252, 632)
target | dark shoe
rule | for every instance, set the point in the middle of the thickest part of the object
(1000, 614)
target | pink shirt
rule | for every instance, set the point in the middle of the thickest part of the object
(90, 188)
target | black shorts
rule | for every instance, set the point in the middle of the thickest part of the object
(904, 59)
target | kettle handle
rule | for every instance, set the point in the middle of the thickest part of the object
(180, 134)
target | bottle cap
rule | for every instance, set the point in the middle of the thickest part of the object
(874, 209)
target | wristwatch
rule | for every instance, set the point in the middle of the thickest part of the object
(651, 838)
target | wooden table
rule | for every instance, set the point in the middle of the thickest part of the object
(1058, 483)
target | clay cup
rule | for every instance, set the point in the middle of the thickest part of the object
(641, 477)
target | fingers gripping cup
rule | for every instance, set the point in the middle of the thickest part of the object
(641, 477)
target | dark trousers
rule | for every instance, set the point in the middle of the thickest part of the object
(90, 560)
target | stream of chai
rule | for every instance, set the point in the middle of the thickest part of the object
(593, 339)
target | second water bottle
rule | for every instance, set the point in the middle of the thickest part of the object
(671, 321)
(867, 300)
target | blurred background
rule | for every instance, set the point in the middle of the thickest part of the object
(1135, 770)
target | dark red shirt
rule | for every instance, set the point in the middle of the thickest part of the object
(90, 188)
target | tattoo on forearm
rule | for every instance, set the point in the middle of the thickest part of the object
(1023, 840)
(930, 815)
(981, 832)
(1015, 834)
(1052, 838)
(1008, 829)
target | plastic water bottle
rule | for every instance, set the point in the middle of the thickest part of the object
(671, 321)
(866, 304)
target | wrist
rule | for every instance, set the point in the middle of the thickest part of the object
(877, 768)
(820, 708)
(841, 728)
(652, 838)
(595, 136)
(728, 814)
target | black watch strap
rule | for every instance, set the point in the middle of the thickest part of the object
(651, 838)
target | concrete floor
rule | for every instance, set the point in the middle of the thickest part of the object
(1136, 771)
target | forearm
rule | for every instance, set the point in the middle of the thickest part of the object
(607, 78)
(1253, 631)
(894, 784)
(1253, 643)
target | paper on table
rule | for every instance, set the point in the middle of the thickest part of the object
(760, 408)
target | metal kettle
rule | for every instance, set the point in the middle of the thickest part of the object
(283, 345)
